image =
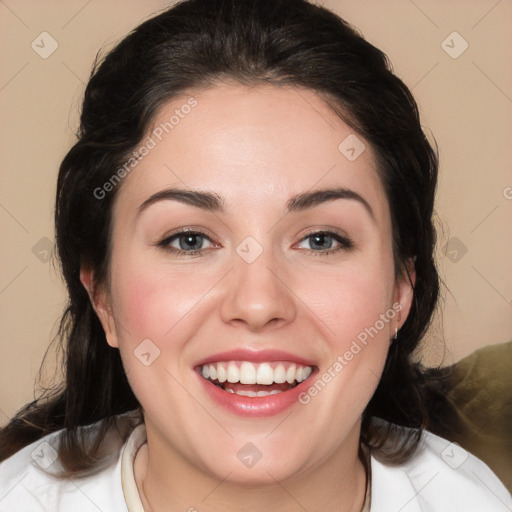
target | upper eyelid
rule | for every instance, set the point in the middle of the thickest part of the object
(326, 231)
(185, 231)
(340, 237)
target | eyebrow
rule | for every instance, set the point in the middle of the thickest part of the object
(311, 199)
(205, 200)
(212, 202)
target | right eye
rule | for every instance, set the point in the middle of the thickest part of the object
(187, 243)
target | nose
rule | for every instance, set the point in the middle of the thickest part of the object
(257, 295)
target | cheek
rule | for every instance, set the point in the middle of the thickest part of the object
(350, 306)
(166, 306)
(151, 303)
(150, 300)
(349, 300)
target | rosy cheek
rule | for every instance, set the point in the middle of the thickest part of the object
(347, 301)
(153, 300)
(142, 307)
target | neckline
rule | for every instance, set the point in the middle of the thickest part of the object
(138, 438)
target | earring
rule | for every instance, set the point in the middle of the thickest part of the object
(395, 337)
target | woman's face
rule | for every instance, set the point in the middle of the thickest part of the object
(252, 242)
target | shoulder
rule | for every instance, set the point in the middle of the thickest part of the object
(442, 477)
(28, 481)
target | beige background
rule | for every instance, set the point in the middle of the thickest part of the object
(465, 102)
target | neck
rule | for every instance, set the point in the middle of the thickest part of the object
(168, 482)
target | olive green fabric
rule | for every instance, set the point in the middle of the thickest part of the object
(480, 389)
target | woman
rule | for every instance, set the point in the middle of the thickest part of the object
(244, 226)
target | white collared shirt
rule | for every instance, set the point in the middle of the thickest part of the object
(441, 478)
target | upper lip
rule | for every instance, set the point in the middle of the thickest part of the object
(255, 356)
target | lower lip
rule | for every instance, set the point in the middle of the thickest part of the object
(258, 406)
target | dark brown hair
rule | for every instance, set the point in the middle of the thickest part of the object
(192, 45)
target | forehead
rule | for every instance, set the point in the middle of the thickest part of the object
(252, 146)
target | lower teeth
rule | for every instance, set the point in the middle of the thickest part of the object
(243, 392)
(253, 393)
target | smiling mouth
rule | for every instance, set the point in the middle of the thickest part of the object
(255, 379)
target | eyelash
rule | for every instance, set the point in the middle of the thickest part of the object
(346, 243)
(164, 244)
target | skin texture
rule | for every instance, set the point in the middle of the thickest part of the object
(255, 148)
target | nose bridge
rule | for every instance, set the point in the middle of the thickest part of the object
(257, 295)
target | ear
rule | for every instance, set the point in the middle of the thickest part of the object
(101, 304)
(404, 292)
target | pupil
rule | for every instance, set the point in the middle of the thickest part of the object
(319, 242)
(190, 242)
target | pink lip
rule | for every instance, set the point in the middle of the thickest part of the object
(259, 406)
(255, 356)
(255, 406)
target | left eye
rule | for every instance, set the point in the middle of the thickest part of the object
(324, 241)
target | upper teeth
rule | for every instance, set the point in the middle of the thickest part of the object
(255, 373)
